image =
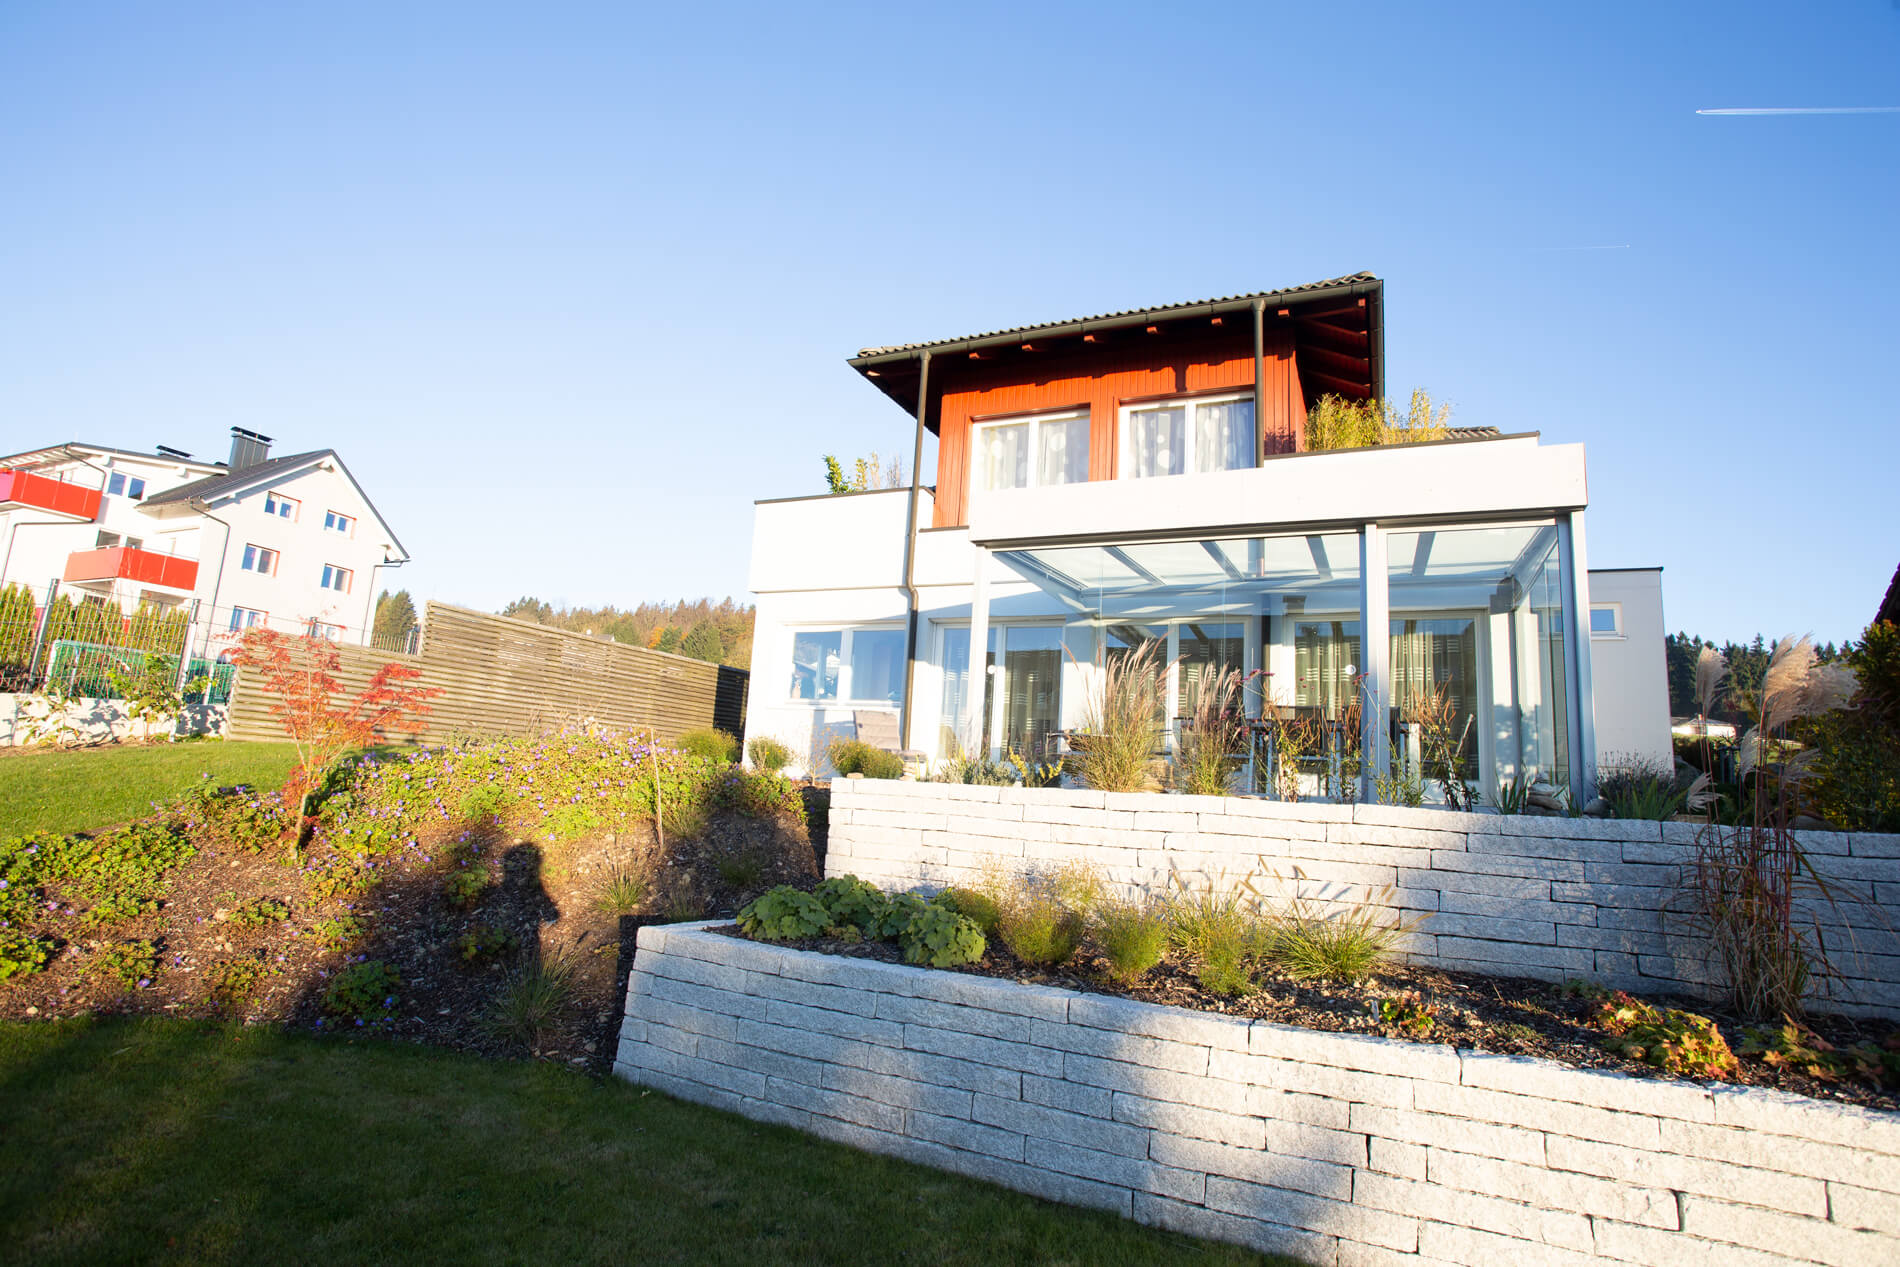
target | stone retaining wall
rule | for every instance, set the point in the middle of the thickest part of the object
(1551, 898)
(1332, 1148)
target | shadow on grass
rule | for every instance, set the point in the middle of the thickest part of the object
(172, 1142)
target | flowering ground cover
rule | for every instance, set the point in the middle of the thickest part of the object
(153, 1141)
(482, 895)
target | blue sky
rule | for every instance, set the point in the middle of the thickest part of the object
(569, 286)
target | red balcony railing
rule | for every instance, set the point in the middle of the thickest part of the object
(124, 563)
(21, 488)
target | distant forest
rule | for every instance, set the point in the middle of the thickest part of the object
(716, 631)
(1747, 665)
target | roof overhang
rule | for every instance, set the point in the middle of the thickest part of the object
(1339, 328)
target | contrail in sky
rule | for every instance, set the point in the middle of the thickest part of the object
(1805, 110)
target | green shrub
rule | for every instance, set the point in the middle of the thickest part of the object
(685, 820)
(466, 884)
(708, 744)
(1641, 788)
(338, 934)
(1406, 1013)
(265, 910)
(976, 770)
(940, 938)
(768, 755)
(241, 817)
(758, 794)
(485, 801)
(853, 903)
(20, 955)
(898, 915)
(1121, 726)
(365, 990)
(784, 914)
(481, 942)
(532, 998)
(741, 871)
(134, 963)
(1133, 935)
(854, 756)
(979, 908)
(1308, 944)
(232, 983)
(1040, 931)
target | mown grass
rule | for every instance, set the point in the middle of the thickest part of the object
(89, 789)
(169, 1142)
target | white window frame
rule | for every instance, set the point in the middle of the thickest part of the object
(252, 548)
(329, 523)
(1190, 438)
(844, 698)
(1035, 422)
(328, 632)
(1616, 613)
(347, 575)
(274, 501)
(131, 486)
(258, 618)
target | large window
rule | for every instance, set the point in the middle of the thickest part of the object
(1182, 436)
(1029, 452)
(857, 666)
(259, 559)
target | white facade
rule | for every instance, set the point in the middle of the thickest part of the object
(1630, 667)
(290, 543)
(825, 569)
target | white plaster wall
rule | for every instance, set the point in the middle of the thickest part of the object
(845, 541)
(1629, 672)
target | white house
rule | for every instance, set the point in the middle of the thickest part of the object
(291, 543)
(1144, 477)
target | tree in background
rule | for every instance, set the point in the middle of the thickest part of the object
(727, 636)
(865, 475)
(1747, 664)
(395, 620)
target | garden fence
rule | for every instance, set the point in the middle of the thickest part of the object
(502, 676)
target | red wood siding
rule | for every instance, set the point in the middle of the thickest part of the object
(1131, 369)
(26, 489)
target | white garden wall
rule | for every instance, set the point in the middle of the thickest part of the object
(29, 719)
(1332, 1148)
(1550, 898)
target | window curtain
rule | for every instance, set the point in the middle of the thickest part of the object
(1064, 451)
(1157, 441)
(1005, 456)
(1223, 436)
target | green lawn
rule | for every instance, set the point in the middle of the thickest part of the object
(168, 1142)
(92, 788)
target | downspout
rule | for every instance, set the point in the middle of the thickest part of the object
(224, 554)
(369, 608)
(910, 554)
(1260, 381)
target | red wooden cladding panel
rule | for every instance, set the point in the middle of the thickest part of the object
(143, 566)
(1133, 368)
(26, 489)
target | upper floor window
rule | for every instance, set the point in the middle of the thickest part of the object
(336, 578)
(1030, 452)
(1178, 437)
(335, 522)
(258, 559)
(1606, 620)
(281, 506)
(112, 540)
(244, 617)
(122, 485)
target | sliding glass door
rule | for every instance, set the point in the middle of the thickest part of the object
(1025, 700)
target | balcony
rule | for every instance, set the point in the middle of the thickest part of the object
(21, 488)
(121, 563)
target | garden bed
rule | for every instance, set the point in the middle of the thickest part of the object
(206, 910)
(1509, 1015)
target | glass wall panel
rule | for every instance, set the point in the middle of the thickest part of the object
(877, 665)
(954, 644)
(815, 662)
(1031, 685)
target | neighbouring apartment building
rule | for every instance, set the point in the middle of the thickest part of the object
(1144, 477)
(290, 543)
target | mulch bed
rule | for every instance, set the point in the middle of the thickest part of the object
(1513, 1015)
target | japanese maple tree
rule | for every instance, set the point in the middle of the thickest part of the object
(325, 723)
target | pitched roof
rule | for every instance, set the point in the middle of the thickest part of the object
(231, 483)
(212, 487)
(1128, 315)
(67, 451)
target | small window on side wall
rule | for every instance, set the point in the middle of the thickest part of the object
(335, 521)
(336, 578)
(123, 485)
(1606, 620)
(280, 507)
(243, 618)
(259, 559)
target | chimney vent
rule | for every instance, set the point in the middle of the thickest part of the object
(167, 451)
(248, 449)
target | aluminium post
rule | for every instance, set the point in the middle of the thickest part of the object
(184, 649)
(907, 712)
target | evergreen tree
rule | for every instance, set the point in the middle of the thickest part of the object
(395, 618)
(702, 642)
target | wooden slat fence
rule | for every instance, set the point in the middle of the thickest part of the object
(501, 676)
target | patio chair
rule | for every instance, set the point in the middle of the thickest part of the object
(879, 729)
